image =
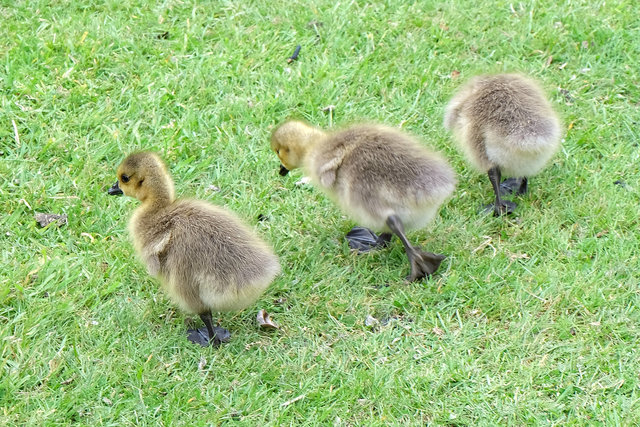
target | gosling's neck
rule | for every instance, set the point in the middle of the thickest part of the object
(159, 195)
(312, 137)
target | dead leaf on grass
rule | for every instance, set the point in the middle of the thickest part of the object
(514, 257)
(371, 321)
(45, 219)
(279, 301)
(568, 98)
(264, 320)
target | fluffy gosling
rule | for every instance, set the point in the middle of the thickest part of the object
(205, 258)
(504, 124)
(381, 177)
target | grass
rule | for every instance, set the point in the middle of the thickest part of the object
(532, 319)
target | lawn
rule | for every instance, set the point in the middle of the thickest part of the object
(532, 319)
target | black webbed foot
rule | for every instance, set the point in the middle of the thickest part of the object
(209, 335)
(503, 208)
(198, 336)
(423, 264)
(364, 240)
(201, 336)
(518, 186)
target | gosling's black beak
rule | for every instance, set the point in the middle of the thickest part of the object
(115, 190)
(283, 171)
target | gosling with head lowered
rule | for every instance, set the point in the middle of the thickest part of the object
(504, 124)
(381, 176)
(205, 258)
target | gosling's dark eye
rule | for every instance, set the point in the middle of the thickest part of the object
(124, 178)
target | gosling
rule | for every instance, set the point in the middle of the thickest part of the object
(380, 176)
(205, 258)
(504, 124)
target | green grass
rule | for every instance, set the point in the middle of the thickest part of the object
(532, 319)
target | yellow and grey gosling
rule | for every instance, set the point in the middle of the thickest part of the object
(504, 124)
(380, 176)
(204, 256)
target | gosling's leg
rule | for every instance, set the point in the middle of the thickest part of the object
(209, 335)
(364, 240)
(500, 207)
(422, 263)
(518, 186)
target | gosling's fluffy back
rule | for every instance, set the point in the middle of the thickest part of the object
(207, 259)
(374, 171)
(504, 120)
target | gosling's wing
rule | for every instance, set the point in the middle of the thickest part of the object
(325, 162)
(154, 250)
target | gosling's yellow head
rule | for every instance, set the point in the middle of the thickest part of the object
(144, 176)
(291, 141)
